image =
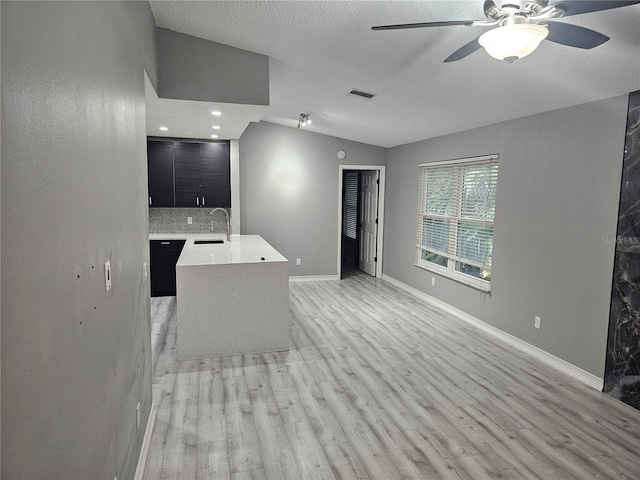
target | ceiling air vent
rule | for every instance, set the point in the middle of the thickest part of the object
(360, 94)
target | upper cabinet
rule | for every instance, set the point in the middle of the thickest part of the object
(215, 174)
(186, 165)
(185, 173)
(160, 158)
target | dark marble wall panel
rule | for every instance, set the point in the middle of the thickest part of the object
(622, 371)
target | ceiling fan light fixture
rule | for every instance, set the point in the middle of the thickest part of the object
(510, 42)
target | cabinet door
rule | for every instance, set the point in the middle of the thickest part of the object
(215, 174)
(160, 168)
(164, 255)
(187, 174)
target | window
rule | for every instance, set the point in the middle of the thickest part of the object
(457, 203)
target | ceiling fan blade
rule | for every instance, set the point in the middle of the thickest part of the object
(424, 24)
(463, 51)
(576, 7)
(574, 35)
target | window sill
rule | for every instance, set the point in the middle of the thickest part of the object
(444, 272)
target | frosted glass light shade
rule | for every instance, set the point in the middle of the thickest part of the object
(513, 41)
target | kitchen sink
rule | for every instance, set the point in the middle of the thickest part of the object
(207, 242)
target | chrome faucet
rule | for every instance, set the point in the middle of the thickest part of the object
(226, 212)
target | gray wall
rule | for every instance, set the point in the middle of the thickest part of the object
(192, 68)
(0, 262)
(289, 191)
(75, 360)
(557, 198)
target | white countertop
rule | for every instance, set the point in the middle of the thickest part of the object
(241, 249)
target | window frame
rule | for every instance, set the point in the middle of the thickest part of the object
(454, 218)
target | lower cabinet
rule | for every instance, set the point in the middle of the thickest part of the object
(164, 256)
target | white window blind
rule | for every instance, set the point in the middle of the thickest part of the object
(456, 211)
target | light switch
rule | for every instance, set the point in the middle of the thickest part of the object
(189, 220)
(107, 276)
(145, 273)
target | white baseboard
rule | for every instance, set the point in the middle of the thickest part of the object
(313, 278)
(545, 357)
(146, 443)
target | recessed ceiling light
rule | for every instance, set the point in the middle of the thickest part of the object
(214, 136)
(217, 113)
(164, 129)
(215, 127)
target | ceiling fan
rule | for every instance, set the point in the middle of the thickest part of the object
(522, 24)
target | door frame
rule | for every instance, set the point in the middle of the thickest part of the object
(380, 242)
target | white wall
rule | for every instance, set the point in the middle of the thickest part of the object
(289, 191)
(75, 359)
(558, 193)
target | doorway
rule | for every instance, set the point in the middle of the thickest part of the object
(361, 220)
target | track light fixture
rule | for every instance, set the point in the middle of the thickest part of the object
(304, 120)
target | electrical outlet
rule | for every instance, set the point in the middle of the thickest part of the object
(189, 220)
(145, 272)
(107, 275)
(138, 415)
(536, 322)
(298, 261)
(433, 281)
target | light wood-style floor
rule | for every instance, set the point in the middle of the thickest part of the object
(378, 384)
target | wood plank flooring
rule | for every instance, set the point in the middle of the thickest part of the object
(379, 385)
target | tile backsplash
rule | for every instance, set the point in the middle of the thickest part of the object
(174, 220)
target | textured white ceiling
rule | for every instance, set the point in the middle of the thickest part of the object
(320, 49)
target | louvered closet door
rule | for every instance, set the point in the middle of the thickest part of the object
(368, 221)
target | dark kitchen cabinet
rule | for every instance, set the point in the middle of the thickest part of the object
(188, 173)
(215, 177)
(164, 256)
(186, 161)
(160, 171)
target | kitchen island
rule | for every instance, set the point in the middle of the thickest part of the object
(232, 297)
